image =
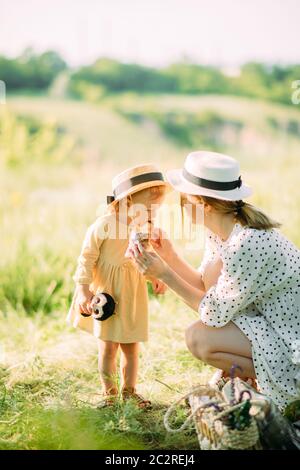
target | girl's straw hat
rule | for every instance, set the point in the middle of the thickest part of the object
(135, 179)
(210, 174)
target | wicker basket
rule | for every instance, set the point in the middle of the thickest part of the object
(233, 415)
(209, 408)
(235, 439)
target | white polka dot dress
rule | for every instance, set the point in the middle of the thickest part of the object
(259, 290)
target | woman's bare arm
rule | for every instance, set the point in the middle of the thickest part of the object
(185, 270)
(166, 250)
(149, 263)
(191, 295)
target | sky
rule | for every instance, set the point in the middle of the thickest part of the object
(154, 32)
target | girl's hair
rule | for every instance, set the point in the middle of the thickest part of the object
(244, 213)
(154, 193)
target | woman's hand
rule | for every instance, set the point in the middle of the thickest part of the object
(162, 244)
(84, 299)
(211, 273)
(148, 263)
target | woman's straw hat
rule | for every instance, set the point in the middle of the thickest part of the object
(135, 179)
(210, 174)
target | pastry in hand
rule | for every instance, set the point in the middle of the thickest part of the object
(139, 240)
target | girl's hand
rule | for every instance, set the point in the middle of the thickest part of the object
(211, 273)
(162, 244)
(158, 287)
(84, 299)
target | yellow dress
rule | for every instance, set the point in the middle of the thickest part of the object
(103, 266)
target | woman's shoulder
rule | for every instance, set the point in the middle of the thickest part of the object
(242, 236)
(249, 239)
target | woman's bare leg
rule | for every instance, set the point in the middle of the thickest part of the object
(129, 364)
(221, 347)
(107, 365)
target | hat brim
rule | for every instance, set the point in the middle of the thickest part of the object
(179, 183)
(140, 187)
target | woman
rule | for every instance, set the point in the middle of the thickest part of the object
(247, 289)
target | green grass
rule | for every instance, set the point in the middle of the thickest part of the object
(50, 387)
(49, 382)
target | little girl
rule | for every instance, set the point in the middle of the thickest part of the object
(103, 267)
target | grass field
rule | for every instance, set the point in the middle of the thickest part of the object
(48, 378)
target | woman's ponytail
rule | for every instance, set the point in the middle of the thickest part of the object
(249, 215)
(246, 214)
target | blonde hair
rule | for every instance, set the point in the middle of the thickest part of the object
(244, 213)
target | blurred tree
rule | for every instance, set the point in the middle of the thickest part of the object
(192, 78)
(36, 72)
(31, 71)
(115, 76)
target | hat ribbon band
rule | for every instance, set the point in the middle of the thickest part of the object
(135, 181)
(209, 184)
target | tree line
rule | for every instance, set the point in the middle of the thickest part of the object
(36, 72)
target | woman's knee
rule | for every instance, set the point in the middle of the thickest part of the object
(197, 341)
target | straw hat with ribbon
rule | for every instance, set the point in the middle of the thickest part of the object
(210, 174)
(136, 179)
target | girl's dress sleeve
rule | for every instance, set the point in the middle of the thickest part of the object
(90, 252)
(243, 278)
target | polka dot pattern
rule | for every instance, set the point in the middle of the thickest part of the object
(259, 290)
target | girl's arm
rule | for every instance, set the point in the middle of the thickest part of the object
(89, 254)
